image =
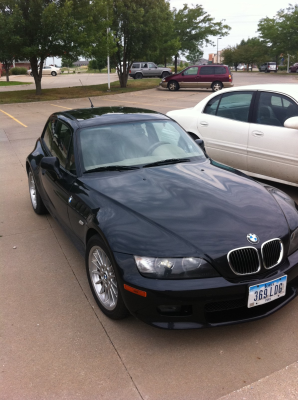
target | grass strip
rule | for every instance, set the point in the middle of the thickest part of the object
(13, 83)
(25, 96)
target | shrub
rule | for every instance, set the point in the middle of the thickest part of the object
(282, 68)
(18, 71)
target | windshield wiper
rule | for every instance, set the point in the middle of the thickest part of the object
(111, 168)
(165, 162)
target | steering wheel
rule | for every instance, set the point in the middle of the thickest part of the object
(154, 146)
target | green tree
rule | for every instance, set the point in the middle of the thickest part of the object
(55, 28)
(193, 27)
(97, 64)
(280, 33)
(138, 28)
(67, 61)
(10, 34)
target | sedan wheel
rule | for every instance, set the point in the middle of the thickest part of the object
(173, 85)
(103, 280)
(216, 86)
(53, 73)
(36, 200)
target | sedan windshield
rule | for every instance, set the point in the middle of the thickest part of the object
(148, 143)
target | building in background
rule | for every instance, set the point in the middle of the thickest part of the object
(81, 63)
(213, 58)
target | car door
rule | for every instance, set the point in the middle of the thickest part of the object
(189, 78)
(205, 77)
(272, 148)
(145, 69)
(224, 126)
(57, 141)
(152, 69)
(46, 70)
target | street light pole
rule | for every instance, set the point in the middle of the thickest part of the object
(217, 50)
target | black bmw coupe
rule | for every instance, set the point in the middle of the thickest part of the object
(169, 235)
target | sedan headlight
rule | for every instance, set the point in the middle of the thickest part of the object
(175, 268)
(293, 242)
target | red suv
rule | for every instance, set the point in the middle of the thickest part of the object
(200, 76)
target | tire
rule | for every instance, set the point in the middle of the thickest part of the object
(31, 73)
(173, 86)
(267, 72)
(216, 86)
(103, 280)
(36, 201)
(53, 73)
(165, 74)
(275, 71)
(138, 76)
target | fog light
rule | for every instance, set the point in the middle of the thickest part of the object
(175, 310)
(169, 309)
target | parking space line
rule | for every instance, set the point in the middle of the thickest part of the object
(14, 119)
(54, 105)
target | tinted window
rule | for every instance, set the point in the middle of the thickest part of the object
(144, 65)
(235, 106)
(207, 71)
(219, 70)
(211, 106)
(57, 138)
(135, 65)
(274, 109)
(191, 71)
(71, 165)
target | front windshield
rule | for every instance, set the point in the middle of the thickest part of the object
(135, 144)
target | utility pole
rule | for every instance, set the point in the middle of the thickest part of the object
(217, 50)
(109, 85)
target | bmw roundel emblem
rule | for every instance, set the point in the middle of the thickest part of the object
(252, 238)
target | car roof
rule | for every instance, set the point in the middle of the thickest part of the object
(110, 115)
(287, 88)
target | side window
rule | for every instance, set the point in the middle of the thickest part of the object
(135, 65)
(235, 106)
(71, 165)
(211, 106)
(219, 70)
(191, 71)
(207, 71)
(57, 138)
(274, 109)
(151, 65)
(144, 65)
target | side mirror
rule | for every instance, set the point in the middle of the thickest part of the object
(51, 164)
(201, 143)
(291, 123)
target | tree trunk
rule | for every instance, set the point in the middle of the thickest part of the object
(7, 65)
(37, 75)
(7, 74)
(165, 62)
(176, 60)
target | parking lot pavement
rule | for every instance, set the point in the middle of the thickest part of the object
(55, 342)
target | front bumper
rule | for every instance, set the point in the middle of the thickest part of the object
(164, 84)
(200, 303)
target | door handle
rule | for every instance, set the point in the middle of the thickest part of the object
(204, 123)
(257, 133)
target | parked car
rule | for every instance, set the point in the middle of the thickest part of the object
(252, 128)
(48, 70)
(268, 67)
(171, 236)
(294, 68)
(206, 76)
(147, 69)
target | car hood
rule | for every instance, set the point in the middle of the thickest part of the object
(186, 209)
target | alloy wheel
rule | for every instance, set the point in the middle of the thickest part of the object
(103, 278)
(32, 190)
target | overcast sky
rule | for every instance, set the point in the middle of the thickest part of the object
(241, 16)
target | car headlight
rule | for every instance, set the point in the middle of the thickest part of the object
(175, 268)
(293, 242)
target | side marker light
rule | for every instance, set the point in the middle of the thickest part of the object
(135, 291)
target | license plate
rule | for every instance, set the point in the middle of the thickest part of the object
(266, 292)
